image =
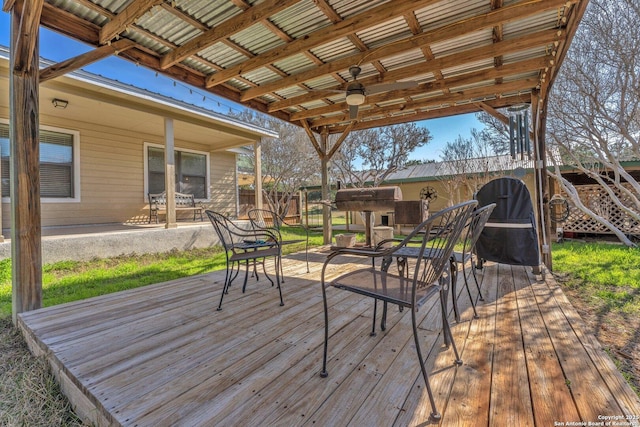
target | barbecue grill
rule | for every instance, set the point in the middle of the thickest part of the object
(509, 237)
(367, 200)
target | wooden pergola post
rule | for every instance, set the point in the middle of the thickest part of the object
(324, 174)
(24, 136)
(257, 173)
(539, 124)
(325, 155)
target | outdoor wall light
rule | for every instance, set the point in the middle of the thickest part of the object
(59, 103)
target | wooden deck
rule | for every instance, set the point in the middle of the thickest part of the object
(162, 355)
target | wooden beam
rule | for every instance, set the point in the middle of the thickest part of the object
(449, 31)
(85, 59)
(26, 232)
(229, 27)
(128, 16)
(8, 5)
(490, 90)
(493, 112)
(27, 34)
(326, 187)
(322, 36)
(541, 179)
(341, 139)
(460, 58)
(435, 113)
(312, 138)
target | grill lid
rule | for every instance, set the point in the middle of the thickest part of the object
(368, 199)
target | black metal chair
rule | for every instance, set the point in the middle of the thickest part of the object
(245, 245)
(392, 282)
(474, 227)
(265, 218)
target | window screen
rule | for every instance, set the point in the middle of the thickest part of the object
(56, 163)
(191, 172)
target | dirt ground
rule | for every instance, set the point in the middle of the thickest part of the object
(619, 334)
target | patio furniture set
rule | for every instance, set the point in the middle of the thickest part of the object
(403, 272)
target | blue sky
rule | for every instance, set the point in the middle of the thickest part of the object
(58, 48)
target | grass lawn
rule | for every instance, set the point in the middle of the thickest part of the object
(601, 280)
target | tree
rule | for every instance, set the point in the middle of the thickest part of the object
(289, 162)
(594, 115)
(469, 163)
(368, 157)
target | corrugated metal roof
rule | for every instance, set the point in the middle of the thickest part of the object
(133, 91)
(266, 59)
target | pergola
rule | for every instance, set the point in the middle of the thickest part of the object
(292, 59)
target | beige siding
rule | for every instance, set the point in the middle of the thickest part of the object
(411, 191)
(223, 189)
(112, 176)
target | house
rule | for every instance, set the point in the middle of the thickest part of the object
(102, 146)
(446, 183)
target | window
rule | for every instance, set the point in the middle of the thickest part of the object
(57, 163)
(191, 172)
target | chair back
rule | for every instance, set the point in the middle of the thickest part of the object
(264, 218)
(476, 223)
(439, 233)
(223, 226)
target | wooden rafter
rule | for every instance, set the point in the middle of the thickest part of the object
(451, 98)
(457, 29)
(460, 58)
(27, 37)
(325, 35)
(85, 59)
(7, 5)
(128, 16)
(231, 26)
(445, 85)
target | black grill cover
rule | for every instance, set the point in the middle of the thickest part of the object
(510, 234)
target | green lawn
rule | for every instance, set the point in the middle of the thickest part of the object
(75, 280)
(606, 274)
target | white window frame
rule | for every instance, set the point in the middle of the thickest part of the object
(184, 150)
(76, 166)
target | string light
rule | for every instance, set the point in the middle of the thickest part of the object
(205, 97)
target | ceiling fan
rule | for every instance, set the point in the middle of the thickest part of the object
(356, 92)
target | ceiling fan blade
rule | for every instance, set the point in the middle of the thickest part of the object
(328, 92)
(353, 112)
(385, 87)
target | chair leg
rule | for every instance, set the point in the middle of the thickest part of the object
(435, 415)
(324, 372)
(453, 268)
(373, 324)
(383, 321)
(448, 336)
(473, 270)
(466, 285)
(278, 279)
(306, 253)
(227, 282)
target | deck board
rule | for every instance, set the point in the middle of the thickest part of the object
(162, 355)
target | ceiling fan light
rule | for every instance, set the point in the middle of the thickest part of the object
(355, 98)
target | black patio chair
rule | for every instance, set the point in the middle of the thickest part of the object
(245, 245)
(474, 227)
(265, 218)
(392, 282)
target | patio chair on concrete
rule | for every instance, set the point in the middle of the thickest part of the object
(244, 245)
(410, 281)
(265, 218)
(474, 227)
